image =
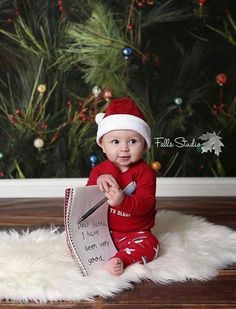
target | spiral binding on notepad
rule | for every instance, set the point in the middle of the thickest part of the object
(69, 233)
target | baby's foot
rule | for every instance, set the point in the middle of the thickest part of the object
(115, 266)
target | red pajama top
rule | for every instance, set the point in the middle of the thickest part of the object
(137, 211)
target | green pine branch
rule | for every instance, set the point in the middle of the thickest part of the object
(96, 48)
(164, 14)
(229, 32)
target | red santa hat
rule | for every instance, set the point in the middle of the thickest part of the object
(122, 114)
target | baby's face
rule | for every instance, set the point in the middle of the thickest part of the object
(123, 147)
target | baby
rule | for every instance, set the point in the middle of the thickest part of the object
(124, 136)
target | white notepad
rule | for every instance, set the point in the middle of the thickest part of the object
(89, 241)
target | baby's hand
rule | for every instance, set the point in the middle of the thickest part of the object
(115, 196)
(106, 181)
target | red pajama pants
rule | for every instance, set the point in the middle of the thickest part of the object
(139, 247)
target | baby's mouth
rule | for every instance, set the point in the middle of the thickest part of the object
(124, 157)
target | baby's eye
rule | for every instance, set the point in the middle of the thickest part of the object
(115, 141)
(132, 141)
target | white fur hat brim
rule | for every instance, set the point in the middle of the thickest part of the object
(122, 122)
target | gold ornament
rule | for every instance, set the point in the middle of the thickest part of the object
(156, 166)
(41, 88)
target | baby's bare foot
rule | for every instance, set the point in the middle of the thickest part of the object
(115, 266)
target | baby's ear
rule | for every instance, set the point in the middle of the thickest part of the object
(145, 146)
(101, 144)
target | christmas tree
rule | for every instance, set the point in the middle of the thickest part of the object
(62, 61)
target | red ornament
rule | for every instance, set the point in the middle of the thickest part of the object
(92, 118)
(69, 104)
(17, 12)
(140, 4)
(222, 106)
(221, 79)
(150, 2)
(44, 125)
(1, 174)
(201, 167)
(82, 115)
(215, 109)
(11, 118)
(10, 20)
(60, 5)
(80, 104)
(18, 111)
(107, 94)
(130, 27)
(218, 109)
(201, 2)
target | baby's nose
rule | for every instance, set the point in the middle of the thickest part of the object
(124, 147)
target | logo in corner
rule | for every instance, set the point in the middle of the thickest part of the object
(212, 143)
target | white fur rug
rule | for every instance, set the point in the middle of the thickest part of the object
(36, 266)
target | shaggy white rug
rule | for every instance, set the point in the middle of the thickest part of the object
(36, 266)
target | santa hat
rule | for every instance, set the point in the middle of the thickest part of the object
(122, 114)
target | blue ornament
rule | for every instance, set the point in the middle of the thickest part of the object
(127, 52)
(93, 159)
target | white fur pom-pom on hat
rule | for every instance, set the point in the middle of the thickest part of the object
(123, 114)
(99, 117)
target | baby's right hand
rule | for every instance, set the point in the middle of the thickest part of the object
(106, 181)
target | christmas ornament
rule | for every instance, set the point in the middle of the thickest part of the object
(156, 166)
(61, 7)
(80, 104)
(11, 119)
(69, 104)
(18, 111)
(17, 11)
(221, 79)
(201, 167)
(96, 91)
(150, 2)
(127, 52)
(82, 116)
(1, 174)
(178, 101)
(44, 125)
(214, 108)
(219, 109)
(41, 88)
(107, 94)
(140, 4)
(38, 143)
(10, 20)
(1, 155)
(92, 118)
(201, 2)
(93, 159)
(130, 27)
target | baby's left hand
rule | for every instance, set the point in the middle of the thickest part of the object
(115, 196)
